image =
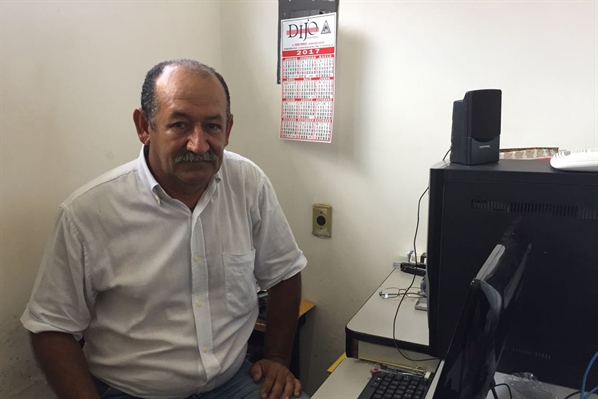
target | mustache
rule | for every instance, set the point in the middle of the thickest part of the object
(189, 156)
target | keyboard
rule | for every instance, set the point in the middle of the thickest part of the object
(391, 385)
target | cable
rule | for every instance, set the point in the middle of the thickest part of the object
(417, 224)
(394, 322)
(508, 387)
(444, 157)
(593, 391)
(572, 395)
(585, 378)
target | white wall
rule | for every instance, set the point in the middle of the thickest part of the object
(72, 73)
(71, 77)
(400, 66)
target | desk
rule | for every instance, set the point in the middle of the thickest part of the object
(369, 333)
(256, 341)
(352, 375)
(369, 337)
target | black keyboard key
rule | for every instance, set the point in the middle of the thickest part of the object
(387, 385)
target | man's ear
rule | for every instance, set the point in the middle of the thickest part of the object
(142, 126)
(229, 127)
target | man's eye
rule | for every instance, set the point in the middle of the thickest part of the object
(213, 126)
(179, 125)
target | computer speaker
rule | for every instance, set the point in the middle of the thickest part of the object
(475, 136)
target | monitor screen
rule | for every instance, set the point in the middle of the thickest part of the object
(481, 332)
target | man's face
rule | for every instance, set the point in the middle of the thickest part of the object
(190, 124)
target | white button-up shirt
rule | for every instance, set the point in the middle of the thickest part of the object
(165, 297)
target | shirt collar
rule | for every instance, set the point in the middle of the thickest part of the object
(144, 173)
(150, 181)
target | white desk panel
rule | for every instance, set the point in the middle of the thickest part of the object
(376, 316)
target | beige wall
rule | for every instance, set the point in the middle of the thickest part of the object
(72, 72)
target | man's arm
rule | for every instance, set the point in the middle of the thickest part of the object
(61, 359)
(281, 322)
(281, 319)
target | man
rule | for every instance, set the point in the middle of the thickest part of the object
(155, 263)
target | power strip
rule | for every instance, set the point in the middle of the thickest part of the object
(401, 260)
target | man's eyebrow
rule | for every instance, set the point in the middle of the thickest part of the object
(182, 114)
(214, 117)
(179, 114)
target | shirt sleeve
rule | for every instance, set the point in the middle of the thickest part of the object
(62, 295)
(278, 257)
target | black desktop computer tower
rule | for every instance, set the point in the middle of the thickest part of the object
(554, 333)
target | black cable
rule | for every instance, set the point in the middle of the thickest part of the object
(417, 224)
(394, 322)
(444, 157)
(572, 395)
(508, 387)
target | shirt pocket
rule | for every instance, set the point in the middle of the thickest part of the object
(241, 295)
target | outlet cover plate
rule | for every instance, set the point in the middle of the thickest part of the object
(322, 220)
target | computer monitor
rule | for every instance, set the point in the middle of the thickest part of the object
(481, 332)
(470, 209)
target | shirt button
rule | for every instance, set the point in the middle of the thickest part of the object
(205, 348)
(196, 258)
(199, 303)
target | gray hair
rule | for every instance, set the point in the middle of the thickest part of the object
(149, 102)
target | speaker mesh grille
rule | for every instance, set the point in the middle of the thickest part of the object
(535, 208)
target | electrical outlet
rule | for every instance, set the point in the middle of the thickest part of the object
(322, 220)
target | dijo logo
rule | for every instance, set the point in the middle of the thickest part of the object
(303, 30)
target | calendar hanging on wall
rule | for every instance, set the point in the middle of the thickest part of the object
(307, 67)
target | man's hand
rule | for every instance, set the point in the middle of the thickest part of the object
(279, 382)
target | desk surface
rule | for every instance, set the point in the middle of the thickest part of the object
(305, 306)
(352, 375)
(375, 318)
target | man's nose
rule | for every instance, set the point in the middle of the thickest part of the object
(197, 142)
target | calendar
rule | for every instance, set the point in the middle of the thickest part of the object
(307, 75)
